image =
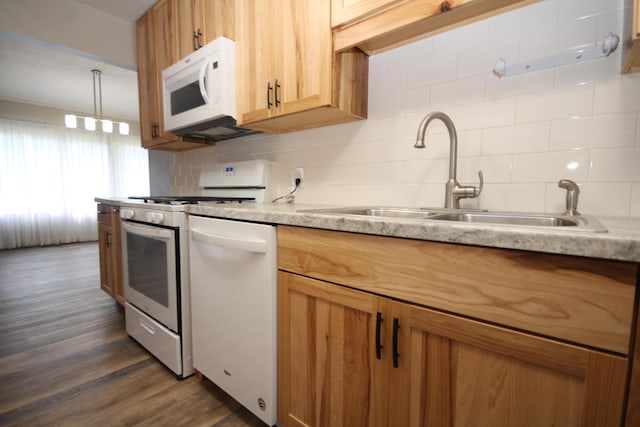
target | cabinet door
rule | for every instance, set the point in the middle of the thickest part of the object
(461, 372)
(305, 59)
(256, 58)
(188, 22)
(106, 258)
(326, 361)
(116, 256)
(218, 19)
(148, 84)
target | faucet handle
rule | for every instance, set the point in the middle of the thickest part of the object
(478, 190)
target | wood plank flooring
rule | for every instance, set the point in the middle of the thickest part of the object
(65, 358)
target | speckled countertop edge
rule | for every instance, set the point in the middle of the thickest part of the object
(621, 242)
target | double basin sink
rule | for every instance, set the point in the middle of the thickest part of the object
(515, 219)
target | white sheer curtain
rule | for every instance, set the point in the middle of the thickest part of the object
(49, 176)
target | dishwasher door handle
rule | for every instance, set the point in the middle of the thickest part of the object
(247, 245)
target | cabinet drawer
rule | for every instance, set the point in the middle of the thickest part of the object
(160, 341)
(581, 300)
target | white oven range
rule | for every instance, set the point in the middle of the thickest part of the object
(155, 258)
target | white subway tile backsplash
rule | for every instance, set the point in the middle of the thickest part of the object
(463, 38)
(513, 197)
(564, 103)
(551, 166)
(635, 200)
(618, 165)
(561, 39)
(432, 72)
(459, 91)
(571, 10)
(536, 17)
(603, 199)
(618, 95)
(527, 138)
(616, 130)
(525, 132)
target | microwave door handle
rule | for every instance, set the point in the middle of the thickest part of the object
(203, 89)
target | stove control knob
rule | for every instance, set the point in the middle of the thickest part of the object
(127, 213)
(154, 217)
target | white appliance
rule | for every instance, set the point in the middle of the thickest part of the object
(234, 291)
(234, 309)
(156, 258)
(199, 93)
(156, 282)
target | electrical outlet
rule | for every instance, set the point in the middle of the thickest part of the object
(298, 173)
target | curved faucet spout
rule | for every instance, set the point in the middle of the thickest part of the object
(453, 138)
(454, 191)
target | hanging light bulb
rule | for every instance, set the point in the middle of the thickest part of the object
(71, 121)
(106, 126)
(124, 128)
(89, 123)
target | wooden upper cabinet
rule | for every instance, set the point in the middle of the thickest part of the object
(379, 25)
(202, 21)
(157, 48)
(288, 76)
(345, 11)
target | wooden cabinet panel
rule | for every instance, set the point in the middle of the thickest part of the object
(157, 48)
(404, 21)
(434, 369)
(345, 11)
(288, 77)
(202, 21)
(325, 360)
(110, 251)
(585, 301)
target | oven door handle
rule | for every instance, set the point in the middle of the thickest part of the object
(247, 245)
(152, 232)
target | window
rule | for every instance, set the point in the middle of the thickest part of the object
(50, 175)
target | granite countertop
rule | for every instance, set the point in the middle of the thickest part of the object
(621, 242)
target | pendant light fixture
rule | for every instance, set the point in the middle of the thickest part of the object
(90, 123)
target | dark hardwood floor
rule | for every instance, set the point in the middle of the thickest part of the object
(65, 358)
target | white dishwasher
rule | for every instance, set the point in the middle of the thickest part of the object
(234, 309)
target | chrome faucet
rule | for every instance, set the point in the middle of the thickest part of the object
(454, 191)
(572, 196)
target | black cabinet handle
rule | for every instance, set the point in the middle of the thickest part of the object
(379, 345)
(396, 355)
(154, 130)
(277, 94)
(107, 236)
(198, 39)
(269, 90)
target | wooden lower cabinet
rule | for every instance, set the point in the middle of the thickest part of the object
(380, 331)
(448, 370)
(110, 251)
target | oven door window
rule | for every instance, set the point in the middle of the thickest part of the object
(147, 267)
(150, 267)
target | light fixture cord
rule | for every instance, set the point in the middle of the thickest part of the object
(97, 73)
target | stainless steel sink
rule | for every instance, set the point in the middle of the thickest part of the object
(514, 219)
(381, 211)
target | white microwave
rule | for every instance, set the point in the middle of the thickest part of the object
(199, 93)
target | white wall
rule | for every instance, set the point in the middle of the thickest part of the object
(525, 132)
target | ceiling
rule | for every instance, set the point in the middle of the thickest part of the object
(38, 72)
